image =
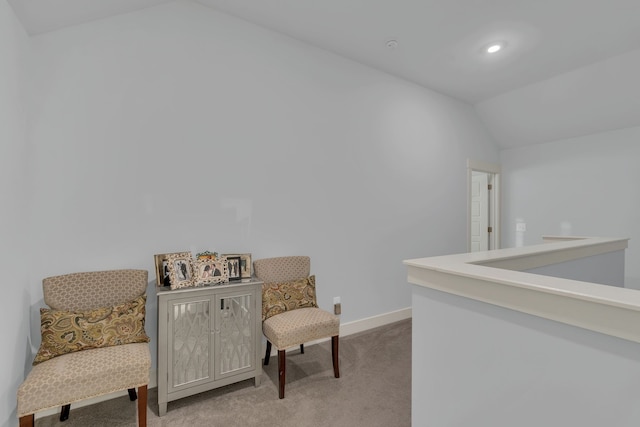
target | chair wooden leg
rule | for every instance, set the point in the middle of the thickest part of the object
(132, 394)
(64, 412)
(282, 364)
(142, 406)
(27, 420)
(268, 353)
(334, 354)
(302, 348)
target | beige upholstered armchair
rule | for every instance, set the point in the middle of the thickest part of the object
(290, 313)
(93, 343)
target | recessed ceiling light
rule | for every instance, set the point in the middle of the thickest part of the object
(495, 47)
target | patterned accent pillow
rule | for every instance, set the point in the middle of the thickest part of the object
(280, 297)
(68, 331)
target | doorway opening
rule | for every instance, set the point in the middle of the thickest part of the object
(483, 213)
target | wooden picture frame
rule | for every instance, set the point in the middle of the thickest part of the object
(209, 271)
(180, 267)
(246, 267)
(233, 267)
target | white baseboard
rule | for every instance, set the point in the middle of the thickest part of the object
(374, 321)
(346, 329)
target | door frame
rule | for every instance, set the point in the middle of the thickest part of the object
(494, 171)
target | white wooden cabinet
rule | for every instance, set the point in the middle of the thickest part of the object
(208, 337)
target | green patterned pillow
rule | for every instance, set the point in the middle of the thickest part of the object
(67, 331)
(280, 297)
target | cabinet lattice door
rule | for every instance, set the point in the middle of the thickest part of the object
(236, 344)
(191, 332)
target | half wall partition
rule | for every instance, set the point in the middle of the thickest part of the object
(543, 335)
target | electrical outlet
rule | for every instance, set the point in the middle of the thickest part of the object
(337, 309)
(521, 226)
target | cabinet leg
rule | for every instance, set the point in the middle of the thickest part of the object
(162, 408)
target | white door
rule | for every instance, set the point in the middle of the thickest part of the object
(479, 212)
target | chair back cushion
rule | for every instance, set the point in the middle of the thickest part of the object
(92, 310)
(282, 269)
(95, 289)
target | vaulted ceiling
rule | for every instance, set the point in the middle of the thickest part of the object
(568, 67)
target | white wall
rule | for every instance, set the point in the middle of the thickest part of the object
(14, 251)
(585, 186)
(605, 269)
(180, 128)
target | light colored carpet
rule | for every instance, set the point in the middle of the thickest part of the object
(374, 390)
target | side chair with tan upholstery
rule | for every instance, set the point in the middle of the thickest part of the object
(93, 343)
(290, 314)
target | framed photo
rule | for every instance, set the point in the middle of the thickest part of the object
(210, 271)
(162, 269)
(246, 268)
(233, 266)
(180, 267)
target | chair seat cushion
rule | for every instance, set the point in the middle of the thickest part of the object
(82, 375)
(296, 327)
